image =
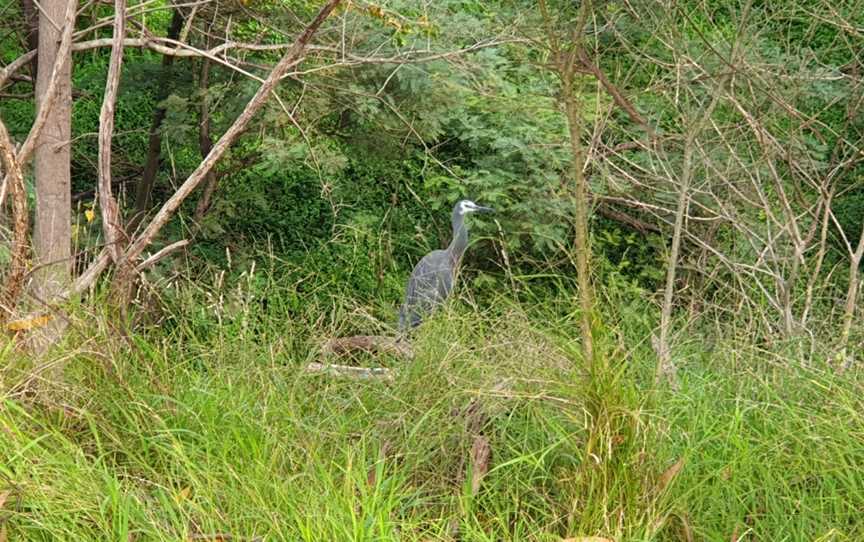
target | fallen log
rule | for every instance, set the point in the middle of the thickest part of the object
(351, 372)
(371, 344)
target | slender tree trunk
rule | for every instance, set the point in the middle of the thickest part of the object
(111, 226)
(666, 369)
(820, 256)
(851, 298)
(31, 21)
(53, 230)
(144, 187)
(205, 143)
(14, 279)
(566, 54)
(580, 189)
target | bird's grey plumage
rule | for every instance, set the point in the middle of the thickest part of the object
(432, 279)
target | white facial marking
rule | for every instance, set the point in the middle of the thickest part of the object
(467, 206)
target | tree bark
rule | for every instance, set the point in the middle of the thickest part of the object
(111, 226)
(851, 299)
(45, 99)
(205, 143)
(54, 80)
(666, 369)
(144, 187)
(31, 21)
(14, 280)
(580, 189)
(566, 54)
(53, 227)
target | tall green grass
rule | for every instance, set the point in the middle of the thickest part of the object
(206, 425)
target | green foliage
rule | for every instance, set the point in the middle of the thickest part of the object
(849, 211)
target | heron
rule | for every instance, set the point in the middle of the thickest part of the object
(432, 279)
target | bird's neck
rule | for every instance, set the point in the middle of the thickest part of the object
(460, 238)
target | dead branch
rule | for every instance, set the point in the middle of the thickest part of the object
(89, 276)
(481, 454)
(152, 260)
(205, 144)
(144, 186)
(107, 203)
(410, 57)
(351, 372)
(178, 49)
(31, 20)
(14, 179)
(851, 298)
(643, 227)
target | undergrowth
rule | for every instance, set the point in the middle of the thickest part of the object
(206, 426)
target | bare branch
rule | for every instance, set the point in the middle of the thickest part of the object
(176, 48)
(851, 298)
(86, 279)
(205, 144)
(152, 260)
(14, 178)
(108, 204)
(613, 91)
(351, 372)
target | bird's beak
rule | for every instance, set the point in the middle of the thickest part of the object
(480, 209)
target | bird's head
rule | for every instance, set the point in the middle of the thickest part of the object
(467, 206)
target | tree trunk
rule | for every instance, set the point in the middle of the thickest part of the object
(53, 231)
(580, 187)
(14, 279)
(144, 187)
(666, 369)
(205, 143)
(566, 54)
(851, 299)
(31, 21)
(111, 226)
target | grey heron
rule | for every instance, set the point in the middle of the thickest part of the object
(432, 279)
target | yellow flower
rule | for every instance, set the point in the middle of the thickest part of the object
(29, 323)
(89, 214)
